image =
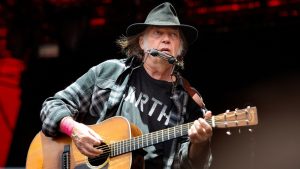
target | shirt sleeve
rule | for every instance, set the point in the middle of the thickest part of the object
(86, 100)
(185, 162)
(68, 102)
(193, 113)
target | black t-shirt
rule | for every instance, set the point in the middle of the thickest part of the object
(150, 100)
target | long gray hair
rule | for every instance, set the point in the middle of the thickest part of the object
(130, 46)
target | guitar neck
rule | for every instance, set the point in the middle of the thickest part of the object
(149, 139)
(237, 118)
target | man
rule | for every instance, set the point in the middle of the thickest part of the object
(145, 88)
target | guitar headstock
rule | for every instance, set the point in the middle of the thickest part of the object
(236, 118)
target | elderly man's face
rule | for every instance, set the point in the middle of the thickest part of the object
(165, 39)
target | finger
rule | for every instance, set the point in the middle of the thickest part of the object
(206, 127)
(96, 138)
(82, 149)
(196, 130)
(192, 132)
(92, 150)
(207, 114)
(86, 151)
(195, 137)
(201, 133)
(87, 145)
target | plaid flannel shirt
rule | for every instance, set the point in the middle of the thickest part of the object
(91, 98)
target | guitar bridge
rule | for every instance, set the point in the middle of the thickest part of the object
(65, 158)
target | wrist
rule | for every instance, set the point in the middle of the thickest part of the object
(66, 125)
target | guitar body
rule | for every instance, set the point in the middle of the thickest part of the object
(46, 152)
(121, 139)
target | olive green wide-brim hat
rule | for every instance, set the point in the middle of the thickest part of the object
(164, 15)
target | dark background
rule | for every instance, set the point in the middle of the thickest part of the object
(245, 57)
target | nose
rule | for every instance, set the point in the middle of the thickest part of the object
(166, 38)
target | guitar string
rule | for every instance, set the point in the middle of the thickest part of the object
(106, 149)
(129, 142)
(140, 139)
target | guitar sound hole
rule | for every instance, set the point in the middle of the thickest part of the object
(97, 161)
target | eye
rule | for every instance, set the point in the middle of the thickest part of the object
(174, 35)
(156, 32)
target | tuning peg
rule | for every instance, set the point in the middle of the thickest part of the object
(251, 130)
(228, 132)
(240, 131)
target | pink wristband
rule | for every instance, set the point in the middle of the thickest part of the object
(66, 125)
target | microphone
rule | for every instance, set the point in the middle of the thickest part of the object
(171, 59)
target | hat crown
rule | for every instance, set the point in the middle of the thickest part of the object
(163, 14)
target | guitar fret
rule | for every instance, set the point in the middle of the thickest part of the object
(111, 150)
(181, 129)
(146, 140)
(120, 147)
(123, 146)
(114, 149)
(117, 148)
(174, 131)
(166, 135)
(129, 145)
(151, 138)
(132, 143)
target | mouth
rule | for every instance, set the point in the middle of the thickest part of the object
(165, 50)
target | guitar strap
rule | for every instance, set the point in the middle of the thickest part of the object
(193, 93)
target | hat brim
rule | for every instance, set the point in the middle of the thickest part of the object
(190, 32)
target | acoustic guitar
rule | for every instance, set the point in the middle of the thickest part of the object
(120, 139)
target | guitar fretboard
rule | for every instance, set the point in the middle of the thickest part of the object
(149, 139)
(237, 118)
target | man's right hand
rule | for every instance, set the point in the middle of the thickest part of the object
(86, 140)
